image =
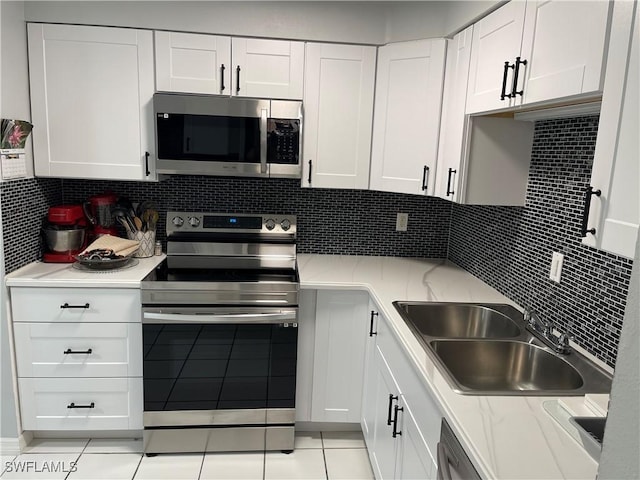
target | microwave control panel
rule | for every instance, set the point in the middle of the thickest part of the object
(283, 141)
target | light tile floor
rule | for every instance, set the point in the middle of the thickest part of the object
(324, 456)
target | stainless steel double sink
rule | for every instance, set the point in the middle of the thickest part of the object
(485, 349)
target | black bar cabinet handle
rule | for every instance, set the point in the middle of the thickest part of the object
(237, 78)
(587, 208)
(68, 351)
(222, 68)
(66, 305)
(395, 432)
(371, 332)
(310, 167)
(73, 405)
(392, 397)
(516, 73)
(449, 191)
(504, 93)
(146, 163)
(425, 178)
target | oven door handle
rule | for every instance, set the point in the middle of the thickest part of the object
(279, 317)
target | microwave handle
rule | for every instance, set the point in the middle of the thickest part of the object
(263, 140)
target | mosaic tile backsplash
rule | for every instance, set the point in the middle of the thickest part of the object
(510, 248)
(507, 247)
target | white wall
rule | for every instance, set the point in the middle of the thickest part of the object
(620, 459)
(338, 21)
(14, 103)
(14, 95)
(357, 22)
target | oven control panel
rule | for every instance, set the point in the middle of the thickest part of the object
(200, 222)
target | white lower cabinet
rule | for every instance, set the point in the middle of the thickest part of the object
(79, 358)
(401, 439)
(338, 366)
(81, 403)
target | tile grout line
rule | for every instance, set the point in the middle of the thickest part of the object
(324, 458)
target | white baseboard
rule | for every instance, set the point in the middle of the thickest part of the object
(10, 446)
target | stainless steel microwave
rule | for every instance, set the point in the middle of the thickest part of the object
(231, 136)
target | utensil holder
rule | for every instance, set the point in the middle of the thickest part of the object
(147, 243)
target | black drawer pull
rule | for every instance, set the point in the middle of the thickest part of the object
(514, 85)
(222, 87)
(587, 208)
(146, 164)
(425, 178)
(68, 351)
(238, 79)
(504, 93)
(392, 397)
(310, 167)
(73, 405)
(371, 332)
(66, 305)
(449, 191)
(395, 431)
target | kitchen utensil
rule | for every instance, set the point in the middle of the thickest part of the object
(138, 223)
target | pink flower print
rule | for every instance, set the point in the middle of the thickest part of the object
(15, 138)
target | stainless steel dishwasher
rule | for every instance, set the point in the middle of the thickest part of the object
(453, 462)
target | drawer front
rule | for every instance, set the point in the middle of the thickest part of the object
(45, 403)
(75, 305)
(78, 349)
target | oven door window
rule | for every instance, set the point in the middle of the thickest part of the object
(208, 138)
(217, 367)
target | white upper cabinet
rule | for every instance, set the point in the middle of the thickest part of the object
(537, 51)
(193, 63)
(267, 68)
(564, 45)
(407, 116)
(338, 103)
(91, 91)
(453, 122)
(496, 43)
(611, 223)
(222, 65)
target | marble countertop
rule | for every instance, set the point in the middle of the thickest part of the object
(40, 274)
(507, 437)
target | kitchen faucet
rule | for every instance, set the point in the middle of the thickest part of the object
(543, 330)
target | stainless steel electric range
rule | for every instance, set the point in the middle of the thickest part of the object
(220, 335)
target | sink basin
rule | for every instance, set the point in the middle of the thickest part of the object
(485, 349)
(498, 366)
(458, 320)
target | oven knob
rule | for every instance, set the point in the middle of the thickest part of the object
(270, 224)
(285, 224)
(194, 221)
(177, 221)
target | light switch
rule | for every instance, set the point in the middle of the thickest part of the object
(556, 266)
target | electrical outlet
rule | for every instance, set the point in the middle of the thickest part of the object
(402, 222)
(556, 266)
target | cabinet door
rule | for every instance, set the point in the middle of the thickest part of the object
(369, 388)
(193, 63)
(338, 102)
(452, 129)
(384, 452)
(615, 214)
(338, 370)
(407, 116)
(91, 91)
(414, 460)
(496, 39)
(564, 45)
(267, 68)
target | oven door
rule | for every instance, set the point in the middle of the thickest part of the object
(219, 379)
